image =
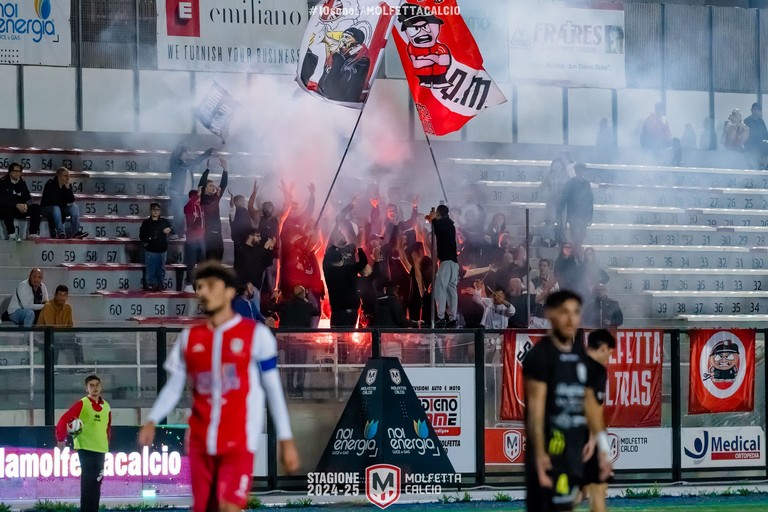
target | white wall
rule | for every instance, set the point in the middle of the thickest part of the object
(586, 107)
(166, 101)
(108, 100)
(9, 107)
(49, 98)
(540, 114)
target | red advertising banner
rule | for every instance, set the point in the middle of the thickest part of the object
(633, 391)
(504, 446)
(722, 377)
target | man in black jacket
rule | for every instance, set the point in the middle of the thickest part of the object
(447, 278)
(602, 312)
(210, 197)
(390, 311)
(253, 258)
(296, 313)
(58, 204)
(153, 234)
(341, 281)
(578, 200)
(15, 203)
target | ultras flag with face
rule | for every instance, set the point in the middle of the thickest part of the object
(443, 65)
(342, 48)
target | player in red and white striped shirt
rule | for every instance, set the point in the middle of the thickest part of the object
(231, 363)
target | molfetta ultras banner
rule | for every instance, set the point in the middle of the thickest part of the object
(633, 389)
(551, 42)
(35, 32)
(257, 36)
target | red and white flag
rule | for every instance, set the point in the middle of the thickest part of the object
(443, 65)
(722, 371)
(342, 49)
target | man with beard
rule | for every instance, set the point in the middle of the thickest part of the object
(231, 363)
(346, 67)
(561, 411)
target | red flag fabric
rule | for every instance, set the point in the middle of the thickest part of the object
(722, 377)
(516, 346)
(443, 65)
(633, 392)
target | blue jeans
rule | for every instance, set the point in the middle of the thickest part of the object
(155, 268)
(56, 218)
(23, 317)
(194, 253)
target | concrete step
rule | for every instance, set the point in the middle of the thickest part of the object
(126, 304)
(628, 280)
(677, 256)
(89, 277)
(670, 304)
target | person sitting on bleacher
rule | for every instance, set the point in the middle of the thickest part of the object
(210, 196)
(602, 312)
(58, 313)
(153, 234)
(28, 300)
(15, 203)
(58, 204)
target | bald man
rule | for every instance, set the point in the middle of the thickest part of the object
(29, 298)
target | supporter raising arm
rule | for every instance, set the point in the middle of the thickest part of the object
(210, 196)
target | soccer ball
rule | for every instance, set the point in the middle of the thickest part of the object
(74, 427)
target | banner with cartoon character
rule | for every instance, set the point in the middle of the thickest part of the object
(722, 371)
(443, 65)
(342, 48)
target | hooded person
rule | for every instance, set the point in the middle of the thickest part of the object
(346, 67)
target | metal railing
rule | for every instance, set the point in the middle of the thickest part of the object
(323, 367)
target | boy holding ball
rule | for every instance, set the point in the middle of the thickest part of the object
(88, 421)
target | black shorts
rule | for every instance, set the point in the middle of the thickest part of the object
(592, 472)
(560, 498)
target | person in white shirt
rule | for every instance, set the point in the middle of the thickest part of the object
(497, 310)
(29, 298)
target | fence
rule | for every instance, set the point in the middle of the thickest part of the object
(320, 369)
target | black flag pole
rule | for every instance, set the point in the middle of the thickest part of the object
(437, 168)
(341, 164)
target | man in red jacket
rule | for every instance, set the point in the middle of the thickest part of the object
(194, 244)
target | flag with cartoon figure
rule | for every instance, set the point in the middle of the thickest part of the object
(722, 371)
(342, 48)
(443, 65)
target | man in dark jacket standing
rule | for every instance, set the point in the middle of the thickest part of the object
(153, 234)
(390, 311)
(297, 313)
(577, 199)
(58, 203)
(447, 278)
(182, 167)
(210, 197)
(341, 281)
(15, 203)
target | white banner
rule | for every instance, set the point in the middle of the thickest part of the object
(257, 36)
(583, 47)
(641, 448)
(723, 447)
(35, 32)
(448, 396)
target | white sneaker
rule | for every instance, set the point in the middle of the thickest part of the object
(12, 237)
(33, 236)
(189, 289)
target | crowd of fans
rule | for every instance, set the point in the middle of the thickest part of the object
(377, 267)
